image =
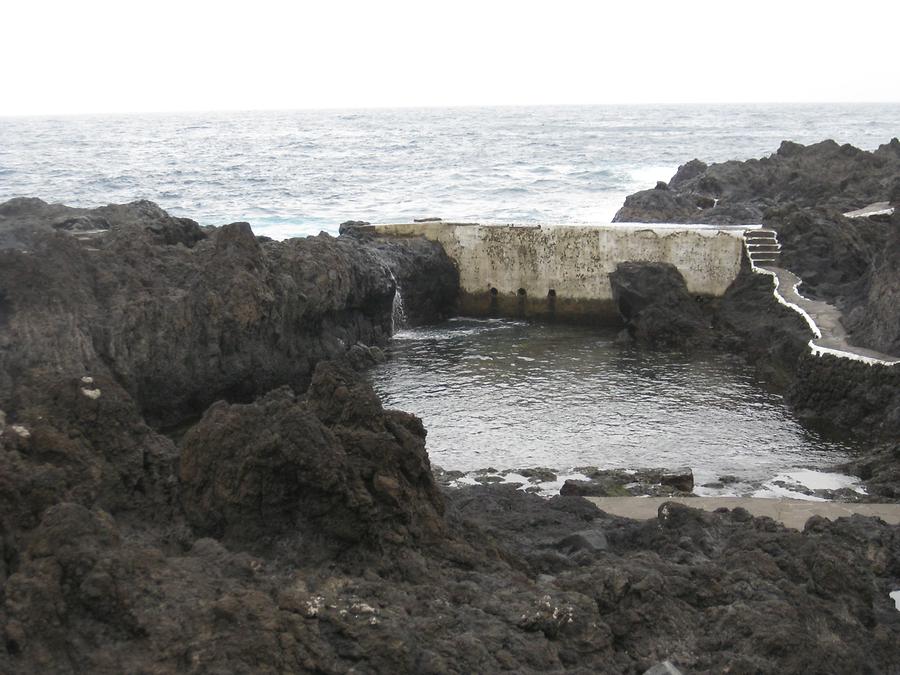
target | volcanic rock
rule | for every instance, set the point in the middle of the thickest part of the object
(182, 316)
(824, 174)
(654, 302)
(331, 469)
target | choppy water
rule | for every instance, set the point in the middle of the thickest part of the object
(510, 395)
(296, 173)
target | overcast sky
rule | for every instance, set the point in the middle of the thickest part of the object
(90, 56)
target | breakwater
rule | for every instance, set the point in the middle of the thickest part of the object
(547, 271)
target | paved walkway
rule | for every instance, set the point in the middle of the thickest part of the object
(825, 316)
(824, 319)
(878, 208)
(791, 512)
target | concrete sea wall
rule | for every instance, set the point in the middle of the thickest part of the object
(562, 271)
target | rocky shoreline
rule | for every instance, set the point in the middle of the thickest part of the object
(194, 476)
(803, 193)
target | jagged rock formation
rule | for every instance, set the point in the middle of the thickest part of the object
(874, 320)
(330, 471)
(511, 582)
(658, 311)
(429, 285)
(802, 193)
(839, 177)
(180, 315)
(304, 532)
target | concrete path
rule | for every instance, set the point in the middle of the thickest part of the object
(791, 512)
(826, 317)
(876, 209)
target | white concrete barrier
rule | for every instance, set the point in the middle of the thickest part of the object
(563, 270)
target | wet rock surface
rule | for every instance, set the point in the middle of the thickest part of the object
(630, 483)
(427, 279)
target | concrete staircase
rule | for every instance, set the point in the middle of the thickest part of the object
(824, 319)
(762, 247)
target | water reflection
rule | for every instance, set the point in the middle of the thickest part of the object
(510, 395)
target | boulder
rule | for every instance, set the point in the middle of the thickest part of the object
(654, 303)
(332, 468)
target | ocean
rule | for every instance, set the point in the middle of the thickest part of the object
(295, 173)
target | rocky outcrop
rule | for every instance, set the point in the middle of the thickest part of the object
(520, 583)
(633, 594)
(840, 177)
(427, 280)
(329, 471)
(849, 262)
(880, 469)
(635, 482)
(748, 320)
(802, 193)
(874, 319)
(831, 253)
(303, 532)
(178, 315)
(654, 303)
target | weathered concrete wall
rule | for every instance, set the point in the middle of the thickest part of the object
(563, 270)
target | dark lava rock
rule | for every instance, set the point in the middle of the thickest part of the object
(654, 302)
(687, 172)
(296, 532)
(862, 280)
(584, 540)
(875, 321)
(538, 474)
(349, 225)
(820, 175)
(332, 469)
(749, 320)
(425, 276)
(181, 316)
(714, 589)
(88, 591)
(630, 483)
(657, 206)
(810, 239)
(880, 469)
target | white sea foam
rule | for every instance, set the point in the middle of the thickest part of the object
(795, 484)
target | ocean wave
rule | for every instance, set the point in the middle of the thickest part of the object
(557, 164)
